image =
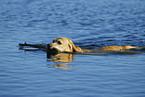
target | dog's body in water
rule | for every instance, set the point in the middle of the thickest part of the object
(65, 45)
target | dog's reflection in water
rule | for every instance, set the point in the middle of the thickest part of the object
(62, 60)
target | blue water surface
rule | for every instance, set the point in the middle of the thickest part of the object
(89, 24)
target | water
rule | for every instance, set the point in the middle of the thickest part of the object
(90, 24)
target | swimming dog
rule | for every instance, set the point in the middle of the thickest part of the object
(65, 45)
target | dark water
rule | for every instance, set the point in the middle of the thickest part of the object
(90, 24)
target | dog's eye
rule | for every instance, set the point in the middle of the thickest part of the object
(59, 42)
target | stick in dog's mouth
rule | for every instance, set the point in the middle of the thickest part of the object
(52, 50)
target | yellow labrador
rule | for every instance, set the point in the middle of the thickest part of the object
(61, 44)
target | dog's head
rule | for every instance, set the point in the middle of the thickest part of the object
(62, 45)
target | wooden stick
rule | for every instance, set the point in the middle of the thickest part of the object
(34, 45)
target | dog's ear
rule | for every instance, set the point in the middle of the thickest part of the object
(73, 47)
(70, 46)
(76, 48)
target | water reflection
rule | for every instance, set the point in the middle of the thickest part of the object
(62, 66)
(61, 57)
(62, 60)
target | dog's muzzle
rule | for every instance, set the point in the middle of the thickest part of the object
(52, 51)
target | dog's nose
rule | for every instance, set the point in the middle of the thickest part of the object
(48, 45)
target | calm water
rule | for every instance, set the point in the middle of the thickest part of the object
(90, 24)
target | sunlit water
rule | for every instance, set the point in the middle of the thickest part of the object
(89, 24)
